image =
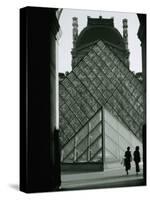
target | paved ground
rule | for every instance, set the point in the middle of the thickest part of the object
(109, 178)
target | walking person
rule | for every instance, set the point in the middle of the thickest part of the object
(137, 159)
(127, 160)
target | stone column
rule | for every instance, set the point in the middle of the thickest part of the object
(142, 36)
(39, 157)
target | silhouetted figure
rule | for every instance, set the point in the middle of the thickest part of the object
(137, 159)
(127, 160)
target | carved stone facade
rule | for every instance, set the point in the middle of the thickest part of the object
(100, 29)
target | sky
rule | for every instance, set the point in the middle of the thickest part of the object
(65, 42)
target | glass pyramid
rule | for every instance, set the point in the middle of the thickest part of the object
(99, 80)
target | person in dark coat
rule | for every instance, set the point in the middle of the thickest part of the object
(137, 159)
(127, 160)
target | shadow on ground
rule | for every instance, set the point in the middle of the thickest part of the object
(14, 186)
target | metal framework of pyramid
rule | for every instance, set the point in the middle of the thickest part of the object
(99, 80)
